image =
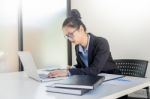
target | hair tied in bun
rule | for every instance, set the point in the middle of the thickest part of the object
(75, 14)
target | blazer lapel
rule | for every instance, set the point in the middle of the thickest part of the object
(90, 49)
(78, 56)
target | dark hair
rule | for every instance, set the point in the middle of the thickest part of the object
(74, 20)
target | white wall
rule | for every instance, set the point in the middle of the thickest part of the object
(8, 35)
(124, 23)
(42, 31)
(43, 36)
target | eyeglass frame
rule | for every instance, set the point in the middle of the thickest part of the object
(70, 35)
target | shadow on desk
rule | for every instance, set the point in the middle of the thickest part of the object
(135, 98)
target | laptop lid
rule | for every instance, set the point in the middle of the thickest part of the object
(28, 64)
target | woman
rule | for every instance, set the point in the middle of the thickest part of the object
(92, 52)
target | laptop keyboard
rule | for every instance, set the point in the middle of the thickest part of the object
(43, 76)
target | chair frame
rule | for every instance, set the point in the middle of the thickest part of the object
(135, 61)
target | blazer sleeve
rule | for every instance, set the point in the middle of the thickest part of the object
(100, 58)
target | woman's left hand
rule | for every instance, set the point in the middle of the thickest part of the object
(58, 73)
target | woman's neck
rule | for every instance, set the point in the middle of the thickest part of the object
(84, 41)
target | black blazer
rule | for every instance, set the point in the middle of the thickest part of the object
(99, 58)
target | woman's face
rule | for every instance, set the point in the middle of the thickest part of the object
(74, 35)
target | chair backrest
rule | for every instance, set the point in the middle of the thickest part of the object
(132, 67)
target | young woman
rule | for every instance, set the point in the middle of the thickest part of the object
(92, 53)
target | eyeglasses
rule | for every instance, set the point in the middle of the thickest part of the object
(70, 35)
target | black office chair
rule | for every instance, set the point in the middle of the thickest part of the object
(133, 67)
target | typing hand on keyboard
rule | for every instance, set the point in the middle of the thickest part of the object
(58, 73)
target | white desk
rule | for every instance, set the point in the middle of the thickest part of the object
(18, 86)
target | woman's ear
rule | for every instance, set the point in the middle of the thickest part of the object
(81, 29)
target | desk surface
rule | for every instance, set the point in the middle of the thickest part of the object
(18, 86)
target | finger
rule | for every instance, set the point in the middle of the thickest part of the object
(49, 75)
(53, 74)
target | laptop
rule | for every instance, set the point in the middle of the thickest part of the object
(31, 68)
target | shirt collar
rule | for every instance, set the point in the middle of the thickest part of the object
(81, 49)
